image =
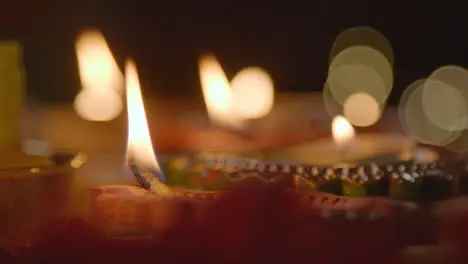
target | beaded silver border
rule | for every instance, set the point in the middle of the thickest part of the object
(272, 171)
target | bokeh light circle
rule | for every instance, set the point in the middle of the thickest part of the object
(371, 58)
(444, 105)
(460, 144)
(253, 93)
(332, 106)
(404, 102)
(415, 122)
(453, 75)
(348, 79)
(362, 36)
(361, 110)
(456, 78)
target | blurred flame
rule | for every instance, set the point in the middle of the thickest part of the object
(342, 131)
(139, 146)
(217, 93)
(98, 105)
(253, 93)
(101, 79)
(96, 64)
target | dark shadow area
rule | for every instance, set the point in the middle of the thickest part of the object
(291, 39)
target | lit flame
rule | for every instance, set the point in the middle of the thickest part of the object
(253, 93)
(98, 105)
(343, 132)
(101, 80)
(96, 64)
(139, 146)
(217, 93)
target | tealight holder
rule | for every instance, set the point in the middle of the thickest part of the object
(342, 188)
(371, 193)
(30, 196)
(322, 200)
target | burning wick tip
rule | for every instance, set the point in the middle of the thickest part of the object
(150, 179)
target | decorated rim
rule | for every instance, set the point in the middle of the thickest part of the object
(393, 180)
(267, 171)
(319, 202)
(407, 169)
(192, 171)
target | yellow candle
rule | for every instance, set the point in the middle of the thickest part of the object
(11, 93)
(11, 106)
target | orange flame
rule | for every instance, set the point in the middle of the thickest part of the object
(217, 93)
(342, 131)
(101, 80)
(139, 146)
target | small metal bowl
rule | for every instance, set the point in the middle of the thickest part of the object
(30, 196)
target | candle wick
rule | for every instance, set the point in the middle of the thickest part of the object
(150, 178)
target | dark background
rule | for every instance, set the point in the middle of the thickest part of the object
(291, 39)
